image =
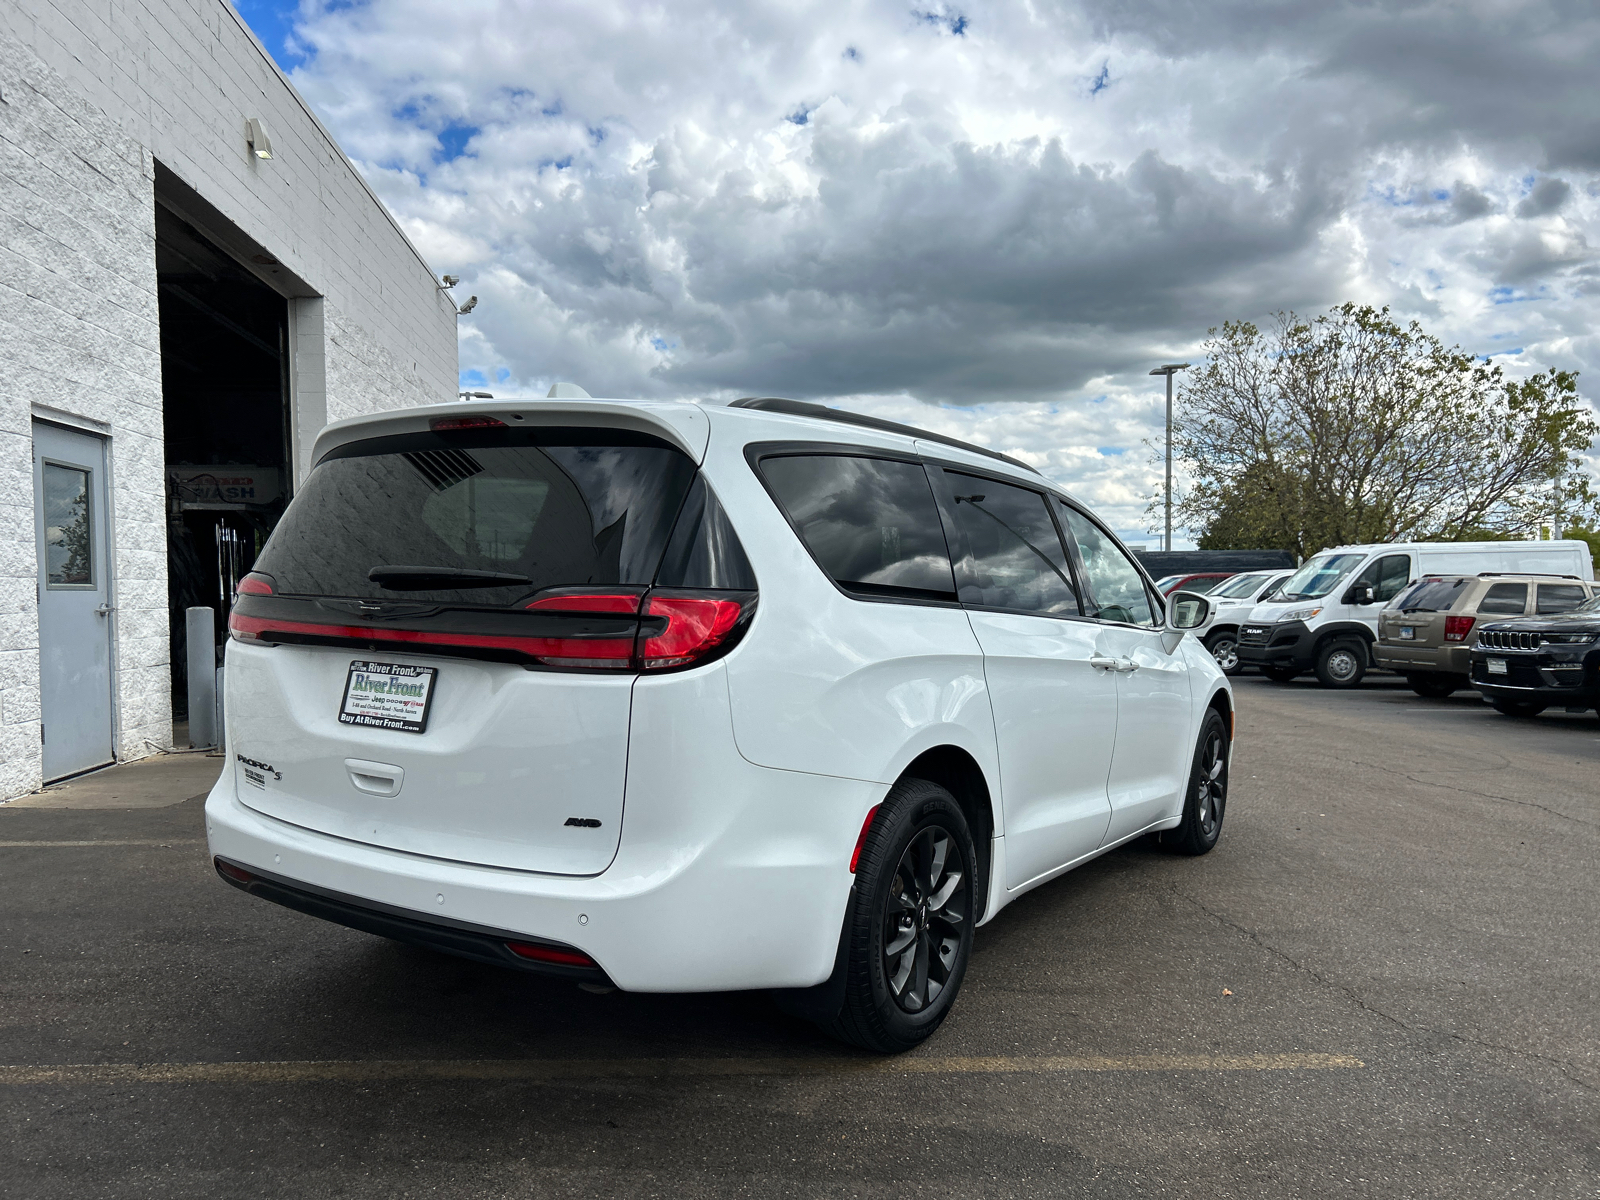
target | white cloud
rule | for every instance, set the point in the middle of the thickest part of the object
(989, 219)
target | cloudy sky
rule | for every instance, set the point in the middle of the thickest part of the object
(989, 219)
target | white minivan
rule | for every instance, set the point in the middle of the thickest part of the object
(1324, 618)
(678, 697)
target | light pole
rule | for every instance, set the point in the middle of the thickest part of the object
(1169, 371)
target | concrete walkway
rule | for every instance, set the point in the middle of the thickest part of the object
(156, 782)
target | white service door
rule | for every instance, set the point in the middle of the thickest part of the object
(69, 489)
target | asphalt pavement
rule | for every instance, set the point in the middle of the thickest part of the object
(1383, 982)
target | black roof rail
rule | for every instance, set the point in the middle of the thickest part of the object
(1532, 574)
(802, 408)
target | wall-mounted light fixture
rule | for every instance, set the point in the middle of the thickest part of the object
(255, 134)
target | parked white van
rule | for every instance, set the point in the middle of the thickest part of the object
(1324, 618)
(673, 697)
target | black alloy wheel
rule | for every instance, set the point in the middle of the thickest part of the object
(1518, 708)
(1341, 663)
(1279, 674)
(924, 918)
(1432, 685)
(910, 927)
(1224, 648)
(1206, 803)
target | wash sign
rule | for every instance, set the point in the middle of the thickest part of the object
(224, 486)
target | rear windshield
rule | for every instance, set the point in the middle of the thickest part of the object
(482, 517)
(1432, 595)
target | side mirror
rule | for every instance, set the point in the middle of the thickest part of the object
(1360, 594)
(1185, 610)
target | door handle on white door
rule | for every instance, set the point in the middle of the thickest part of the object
(1112, 664)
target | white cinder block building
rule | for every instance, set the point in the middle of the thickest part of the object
(179, 315)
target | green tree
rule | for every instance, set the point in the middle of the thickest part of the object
(1352, 428)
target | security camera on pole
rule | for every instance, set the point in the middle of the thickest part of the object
(1169, 371)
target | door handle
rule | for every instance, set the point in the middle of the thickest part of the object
(105, 610)
(375, 778)
(1122, 665)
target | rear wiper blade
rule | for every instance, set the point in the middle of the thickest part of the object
(429, 579)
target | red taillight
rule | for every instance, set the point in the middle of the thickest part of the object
(237, 874)
(861, 840)
(559, 955)
(589, 602)
(608, 653)
(255, 584)
(695, 626)
(446, 424)
(1457, 628)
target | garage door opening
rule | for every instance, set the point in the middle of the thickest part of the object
(225, 396)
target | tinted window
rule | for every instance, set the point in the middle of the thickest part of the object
(1386, 577)
(1116, 590)
(1204, 585)
(1505, 599)
(704, 551)
(1559, 597)
(544, 515)
(871, 523)
(1432, 595)
(1013, 556)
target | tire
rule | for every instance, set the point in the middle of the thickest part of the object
(1518, 708)
(1206, 802)
(1434, 687)
(918, 849)
(1280, 674)
(1224, 648)
(1341, 663)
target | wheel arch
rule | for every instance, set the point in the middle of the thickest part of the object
(1222, 700)
(1344, 630)
(954, 769)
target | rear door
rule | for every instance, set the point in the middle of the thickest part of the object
(1055, 712)
(433, 654)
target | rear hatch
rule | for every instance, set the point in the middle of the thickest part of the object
(436, 650)
(1420, 619)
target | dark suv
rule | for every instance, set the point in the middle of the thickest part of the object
(1526, 665)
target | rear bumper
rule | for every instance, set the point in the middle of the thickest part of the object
(1439, 660)
(729, 876)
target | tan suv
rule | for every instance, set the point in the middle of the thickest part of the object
(1426, 632)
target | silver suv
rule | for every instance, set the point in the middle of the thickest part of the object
(1426, 632)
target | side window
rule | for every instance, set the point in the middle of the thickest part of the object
(704, 551)
(1116, 590)
(1014, 558)
(1505, 599)
(1559, 597)
(1386, 577)
(871, 523)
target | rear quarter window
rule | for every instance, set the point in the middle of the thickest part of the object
(1504, 599)
(871, 523)
(1559, 597)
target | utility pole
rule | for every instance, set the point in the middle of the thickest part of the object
(1169, 371)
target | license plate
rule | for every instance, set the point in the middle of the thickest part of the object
(1408, 633)
(388, 696)
(1497, 666)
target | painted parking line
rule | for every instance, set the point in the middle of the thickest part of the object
(165, 843)
(578, 1070)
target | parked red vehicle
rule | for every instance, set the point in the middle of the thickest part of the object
(1201, 583)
